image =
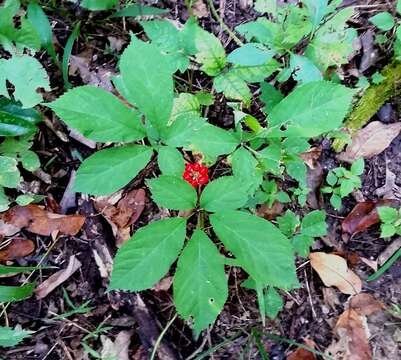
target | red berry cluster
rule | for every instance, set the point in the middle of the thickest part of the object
(196, 174)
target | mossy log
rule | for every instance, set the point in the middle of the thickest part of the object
(372, 100)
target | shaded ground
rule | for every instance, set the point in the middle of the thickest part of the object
(309, 312)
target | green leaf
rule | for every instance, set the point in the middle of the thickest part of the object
(212, 141)
(346, 187)
(273, 302)
(266, 6)
(26, 36)
(244, 167)
(331, 178)
(332, 43)
(304, 70)
(67, 52)
(207, 48)
(336, 201)
(296, 168)
(224, 193)
(11, 337)
(387, 230)
(27, 75)
(24, 199)
(29, 160)
(317, 10)
(4, 202)
(254, 74)
(233, 87)
(259, 247)
(200, 283)
(98, 115)
(15, 293)
(16, 121)
(387, 214)
(270, 96)
(270, 158)
(314, 224)
(383, 20)
(139, 10)
(263, 30)
(9, 173)
(148, 80)
(39, 20)
(170, 161)
(288, 223)
(98, 4)
(302, 244)
(7, 270)
(205, 98)
(357, 167)
(108, 170)
(321, 107)
(173, 193)
(145, 258)
(179, 132)
(167, 38)
(185, 105)
(250, 55)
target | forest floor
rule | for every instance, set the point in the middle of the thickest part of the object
(79, 314)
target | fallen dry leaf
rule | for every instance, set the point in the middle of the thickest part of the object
(164, 284)
(314, 180)
(55, 280)
(352, 330)
(199, 9)
(390, 190)
(121, 214)
(117, 349)
(18, 247)
(38, 221)
(364, 215)
(365, 304)
(389, 251)
(370, 141)
(311, 156)
(270, 213)
(333, 271)
(303, 354)
(99, 77)
(371, 263)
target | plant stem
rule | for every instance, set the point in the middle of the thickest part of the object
(159, 339)
(222, 24)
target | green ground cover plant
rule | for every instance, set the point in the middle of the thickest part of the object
(159, 123)
(211, 178)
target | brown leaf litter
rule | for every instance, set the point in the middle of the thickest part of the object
(37, 220)
(352, 330)
(55, 280)
(334, 271)
(122, 212)
(370, 141)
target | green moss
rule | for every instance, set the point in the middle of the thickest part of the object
(372, 100)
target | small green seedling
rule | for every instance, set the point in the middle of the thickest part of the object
(302, 233)
(12, 152)
(301, 194)
(343, 182)
(385, 22)
(269, 194)
(390, 221)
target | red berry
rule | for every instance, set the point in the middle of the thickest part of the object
(196, 174)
